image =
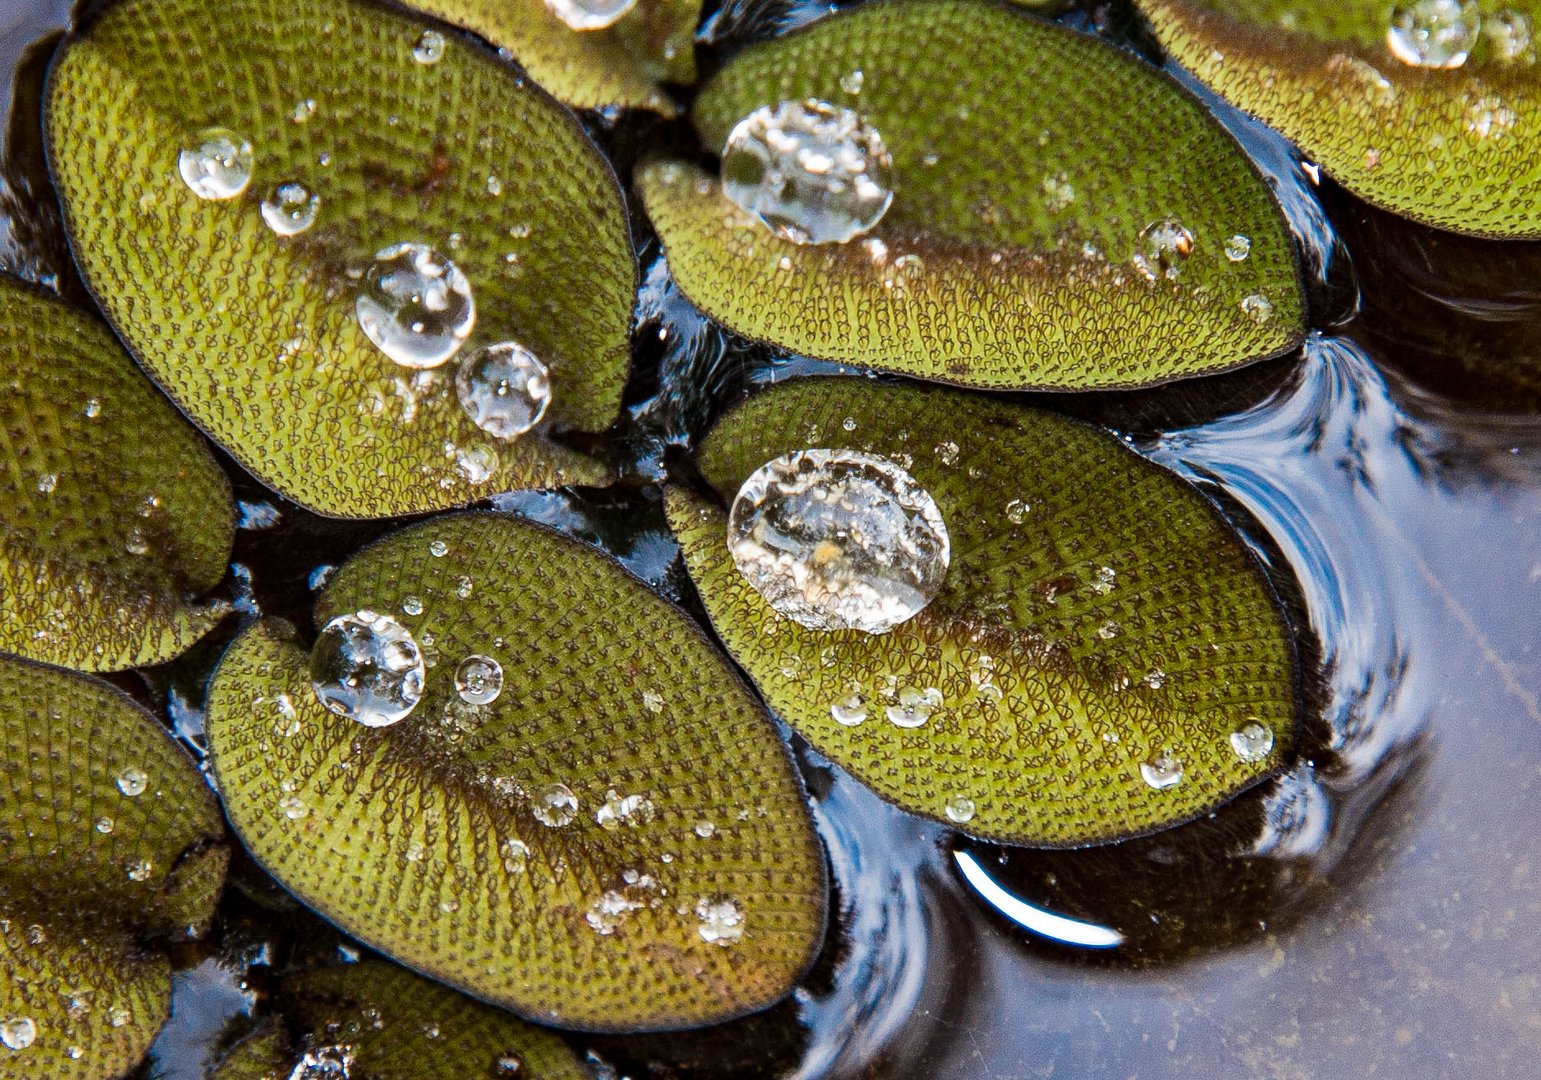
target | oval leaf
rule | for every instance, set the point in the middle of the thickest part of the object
(1006, 259)
(1455, 147)
(107, 831)
(393, 1025)
(403, 835)
(620, 65)
(115, 513)
(255, 334)
(1097, 615)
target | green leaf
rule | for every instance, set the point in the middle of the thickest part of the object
(115, 514)
(1006, 258)
(400, 834)
(1097, 615)
(107, 832)
(620, 65)
(255, 334)
(1453, 147)
(394, 1025)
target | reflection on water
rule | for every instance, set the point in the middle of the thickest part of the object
(1376, 910)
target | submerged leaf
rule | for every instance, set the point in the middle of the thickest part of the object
(106, 831)
(611, 839)
(1010, 254)
(1100, 637)
(115, 516)
(1455, 146)
(619, 65)
(249, 314)
(393, 1025)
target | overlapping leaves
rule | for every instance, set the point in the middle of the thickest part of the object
(1008, 256)
(1100, 637)
(401, 139)
(426, 839)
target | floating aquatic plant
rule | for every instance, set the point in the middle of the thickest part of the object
(1427, 108)
(1019, 251)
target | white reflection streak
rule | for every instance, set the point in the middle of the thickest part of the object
(1059, 928)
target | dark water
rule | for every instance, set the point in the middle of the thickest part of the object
(1376, 912)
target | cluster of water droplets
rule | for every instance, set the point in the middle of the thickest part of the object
(590, 14)
(839, 540)
(815, 173)
(721, 920)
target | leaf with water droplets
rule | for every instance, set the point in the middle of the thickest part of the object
(116, 516)
(1019, 251)
(614, 839)
(1099, 641)
(394, 1025)
(1428, 108)
(615, 63)
(456, 208)
(107, 834)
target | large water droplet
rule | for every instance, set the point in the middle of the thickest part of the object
(839, 539)
(815, 173)
(556, 805)
(290, 208)
(216, 164)
(504, 389)
(1433, 33)
(1252, 742)
(1162, 771)
(914, 707)
(590, 14)
(722, 920)
(479, 680)
(415, 305)
(132, 781)
(1162, 248)
(367, 667)
(17, 1032)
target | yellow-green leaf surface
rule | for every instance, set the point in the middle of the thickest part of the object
(394, 1025)
(107, 832)
(1097, 616)
(1007, 257)
(620, 65)
(1459, 147)
(255, 334)
(114, 516)
(400, 835)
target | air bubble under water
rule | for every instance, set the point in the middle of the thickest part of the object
(815, 173)
(1434, 33)
(367, 667)
(504, 389)
(590, 14)
(217, 163)
(839, 540)
(415, 305)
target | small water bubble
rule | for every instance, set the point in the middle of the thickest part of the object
(652, 701)
(119, 1016)
(17, 1032)
(324, 1063)
(216, 164)
(1434, 33)
(290, 208)
(138, 870)
(914, 706)
(412, 605)
(1489, 117)
(415, 305)
(93, 408)
(429, 47)
(851, 82)
(1162, 771)
(590, 14)
(1252, 742)
(367, 667)
(438, 549)
(1058, 194)
(849, 710)
(946, 452)
(1238, 247)
(104, 825)
(1257, 307)
(47, 482)
(848, 424)
(1511, 35)
(722, 920)
(556, 806)
(706, 829)
(959, 809)
(494, 185)
(1106, 577)
(1162, 248)
(1017, 511)
(515, 854)
(1155, 679)
(504, 388)
(838, 539)
(132, 781)
(293, 808)
(449, 907)
(509, 1065)
(74, 1053)
(1108, 631)
(479, 680)
(137, 543)
(303, 110)
(814, 173)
